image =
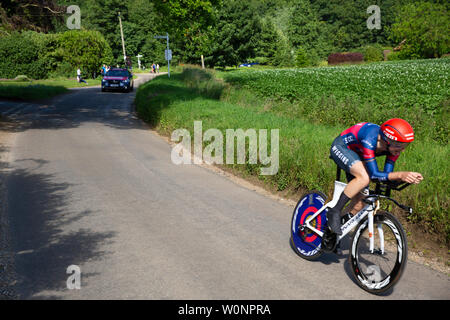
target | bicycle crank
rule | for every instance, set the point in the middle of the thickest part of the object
(329, 241)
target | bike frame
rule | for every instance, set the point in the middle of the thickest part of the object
(369, 210)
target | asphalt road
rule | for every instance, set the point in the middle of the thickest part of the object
(88, 184)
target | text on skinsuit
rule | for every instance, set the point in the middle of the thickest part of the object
(340, 155)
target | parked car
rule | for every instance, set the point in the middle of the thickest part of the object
(118, 79)
(248, 64)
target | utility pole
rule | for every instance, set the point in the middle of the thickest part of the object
(123, 43)
(168, 52)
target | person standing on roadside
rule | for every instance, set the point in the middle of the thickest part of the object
(157, 68)
(79, 78)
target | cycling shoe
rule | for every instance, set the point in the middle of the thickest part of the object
(338, 250)
(334, 221)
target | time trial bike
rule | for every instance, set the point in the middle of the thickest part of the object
(378, 248)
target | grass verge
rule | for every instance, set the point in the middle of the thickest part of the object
(40, 89)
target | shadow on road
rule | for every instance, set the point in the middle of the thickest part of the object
(45, 251)
(71, 110)
(39, 205)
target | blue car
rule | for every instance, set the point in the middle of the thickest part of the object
(118, 79)
(248, 64)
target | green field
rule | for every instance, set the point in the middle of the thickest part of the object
(273, 99)
(415, 90)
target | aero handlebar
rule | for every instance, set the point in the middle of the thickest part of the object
(383, 190)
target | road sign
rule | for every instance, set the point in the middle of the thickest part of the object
(168, 54)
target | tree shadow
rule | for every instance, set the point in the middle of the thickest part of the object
(39, 216)
(38, 209)
(70, 110)
(29, 92)
(90, 104)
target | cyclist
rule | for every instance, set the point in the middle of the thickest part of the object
(355, 150)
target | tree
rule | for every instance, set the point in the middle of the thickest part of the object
(144, 22)
(306, 30)
(102, 15)
(302, 59)
(37, 15)
(189, 24)
(284, 54)
(85, 49)
(235, 36)
(347, 21)
(425, 27)
(267, 43)
(197, 42)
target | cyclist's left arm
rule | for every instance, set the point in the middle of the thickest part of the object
(368, 140)
(405, 176)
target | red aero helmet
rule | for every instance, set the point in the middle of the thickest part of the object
(398, 130)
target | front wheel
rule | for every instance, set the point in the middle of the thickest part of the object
(305, 242)
(378, 270)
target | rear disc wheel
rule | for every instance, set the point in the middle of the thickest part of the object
(305, 242)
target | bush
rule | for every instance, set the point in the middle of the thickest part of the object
(345, 57)
(38, 55)
(46, 45)
(373, 53)
(394, 56)
(22, 78)
(302, 58)
(20, 56)
(63, 69)
(85, 49)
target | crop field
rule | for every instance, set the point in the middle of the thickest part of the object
(417, 90)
